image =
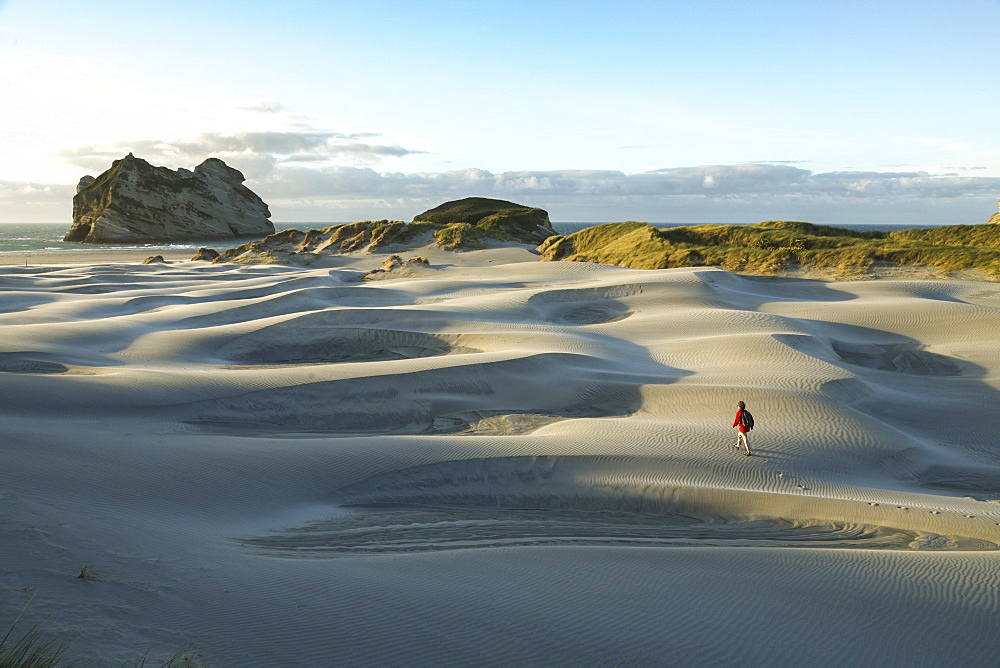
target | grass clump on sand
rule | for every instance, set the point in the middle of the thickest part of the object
(30, 650)
(187, 659)
(773, 247)
(88, 573)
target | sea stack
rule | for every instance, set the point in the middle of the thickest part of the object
(995, 218)
(134, 201)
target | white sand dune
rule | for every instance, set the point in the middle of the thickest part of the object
(499, 462)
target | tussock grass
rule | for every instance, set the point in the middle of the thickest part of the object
(30, 650)
(775, 246)
(188, 659)
(458, 236)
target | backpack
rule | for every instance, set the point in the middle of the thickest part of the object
(746, 419)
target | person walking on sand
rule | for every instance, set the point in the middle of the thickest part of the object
(745, 423)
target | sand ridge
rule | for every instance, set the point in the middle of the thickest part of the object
(499, 461)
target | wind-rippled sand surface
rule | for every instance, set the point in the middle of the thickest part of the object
(500, 464)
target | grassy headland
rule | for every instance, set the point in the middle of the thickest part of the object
(499, 219)
(776, 246)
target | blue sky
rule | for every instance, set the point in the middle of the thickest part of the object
(597, 111)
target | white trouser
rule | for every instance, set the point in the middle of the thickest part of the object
(742, 438)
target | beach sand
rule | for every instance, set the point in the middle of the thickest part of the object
(96, 256)
(497, 461)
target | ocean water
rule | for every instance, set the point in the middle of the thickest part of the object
(26, 238)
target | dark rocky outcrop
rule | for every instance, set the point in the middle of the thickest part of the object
(134, 201)
(206, 254)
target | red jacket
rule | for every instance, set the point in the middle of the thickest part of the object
(739, 416)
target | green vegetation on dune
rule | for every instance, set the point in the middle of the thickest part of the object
(987, 236)
(469, 210)
(468, 224)
(770, 247)
(458, 236)
(502, 220)
(775, 246)
(30, 650)
(33, 647)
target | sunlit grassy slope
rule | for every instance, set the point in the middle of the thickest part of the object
(780, 245)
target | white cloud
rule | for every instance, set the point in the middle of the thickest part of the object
(264, 107)
(740, 193)
(947, 144)
(278, 167)
(255, 153)
(13, 192)
(295, 189)
(24, 201)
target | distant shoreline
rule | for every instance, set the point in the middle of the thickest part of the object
(96, 256)
(45, 239)
(26, 250)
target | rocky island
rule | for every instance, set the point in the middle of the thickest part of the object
(134, 201)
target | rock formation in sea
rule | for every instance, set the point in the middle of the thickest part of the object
(134, 201)
(995, 218)
(466, 224)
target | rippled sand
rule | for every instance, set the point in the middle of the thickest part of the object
(499, 462)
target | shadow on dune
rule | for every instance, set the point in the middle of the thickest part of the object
(476, 394)
(864, 349)
(750, 293)
(464, 390)
(583, 306)
(942, 403)
(350, 335)
(550, 501)
(29, 362)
